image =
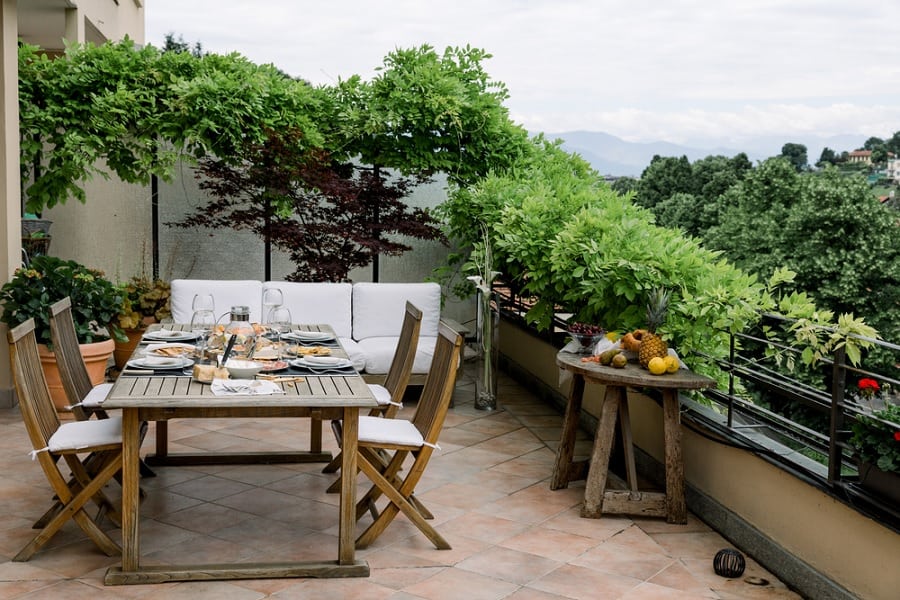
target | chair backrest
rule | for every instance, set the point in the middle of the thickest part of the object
(397, 377)
(72, 373)
(439, 384)
(38, 412)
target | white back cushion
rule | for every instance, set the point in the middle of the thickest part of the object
(227, 293)
(318, 303)
(378, 308)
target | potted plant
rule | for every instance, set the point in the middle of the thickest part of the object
(144, 302)
(95, 305)
(876, 438)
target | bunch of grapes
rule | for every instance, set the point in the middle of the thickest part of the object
(586, 329)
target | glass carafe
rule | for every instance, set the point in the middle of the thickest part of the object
(240, 327)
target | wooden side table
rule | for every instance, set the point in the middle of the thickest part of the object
(597, 499)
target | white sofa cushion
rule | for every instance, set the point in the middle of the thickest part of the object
(318, 303)
(355, 353)
(226, 293)
(379, 352)
(378, 308)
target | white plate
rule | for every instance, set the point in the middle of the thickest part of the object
(184, 348)
(167, 335)
(308, 336)
(159, 362)
(319, 362)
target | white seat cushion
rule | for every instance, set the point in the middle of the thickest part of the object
(225, 292)
(379, 352)
(83, 434)
(318, 303)
(376, 430)
(381, 393)
(97, 395)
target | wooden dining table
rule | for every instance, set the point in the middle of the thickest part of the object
(160, 397)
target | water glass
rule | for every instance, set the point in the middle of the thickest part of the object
(279, 321)
(202, 324)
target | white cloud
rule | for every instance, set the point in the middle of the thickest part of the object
(642, 70)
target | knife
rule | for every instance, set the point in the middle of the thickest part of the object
(228, 348)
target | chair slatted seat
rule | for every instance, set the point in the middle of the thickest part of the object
(53, 442)
(402, 438)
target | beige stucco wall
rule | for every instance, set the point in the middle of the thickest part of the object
(850, 549)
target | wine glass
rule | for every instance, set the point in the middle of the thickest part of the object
(202, 323)
(279, 323)
(203, 302)
(272, 298)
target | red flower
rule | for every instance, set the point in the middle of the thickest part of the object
(868, 384)
(868, 387)
(897, 436)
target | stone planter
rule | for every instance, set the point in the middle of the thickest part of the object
(96, 356)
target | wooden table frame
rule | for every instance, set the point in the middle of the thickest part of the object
(598, 499)
(155, 398)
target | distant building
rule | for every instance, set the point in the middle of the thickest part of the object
(860, 156)
(892, 169)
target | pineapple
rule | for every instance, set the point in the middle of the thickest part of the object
(651, 344)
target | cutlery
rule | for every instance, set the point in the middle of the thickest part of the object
(228, 348)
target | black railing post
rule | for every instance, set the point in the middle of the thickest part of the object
(731, 348)
(838, 382)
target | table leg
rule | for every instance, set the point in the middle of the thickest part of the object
(676, 508)
(603, 442)
(347, 517)
(131, 436)
(627, 442)
(566, 447)
(162, 439)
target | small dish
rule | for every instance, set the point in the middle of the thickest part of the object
(243, 369)
(171, 350)
(318, 363)
(308, 336)
(167, 335)
(270, 366)
(159, 362)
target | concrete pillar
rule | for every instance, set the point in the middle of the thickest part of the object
(11, 216)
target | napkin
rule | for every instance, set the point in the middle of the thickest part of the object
(244, 387)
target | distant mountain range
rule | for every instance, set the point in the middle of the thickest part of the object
(611, 155)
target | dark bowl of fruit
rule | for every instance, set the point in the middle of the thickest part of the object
(586, 335)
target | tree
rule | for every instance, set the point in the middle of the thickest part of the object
(796, 155)
(316, 210)
(872, 143)
(138, 111)
(663, 177)
(828, 157)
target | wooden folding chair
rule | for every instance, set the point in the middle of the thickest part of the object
(417, 437)
(52, 441)
(390, 395)
(84, 397)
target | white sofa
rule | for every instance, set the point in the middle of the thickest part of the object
(365, 316)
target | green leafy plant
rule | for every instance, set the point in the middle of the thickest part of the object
(96, 302)
(877, 438)
(144, 299)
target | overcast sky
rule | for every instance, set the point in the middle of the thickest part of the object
(685, 71)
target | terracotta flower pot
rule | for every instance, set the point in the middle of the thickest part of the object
(124, 350)
(96, 356)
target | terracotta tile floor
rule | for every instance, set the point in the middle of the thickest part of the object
(488, 488)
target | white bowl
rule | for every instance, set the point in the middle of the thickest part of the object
(243, 369)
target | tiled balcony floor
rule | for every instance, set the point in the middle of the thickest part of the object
(488, 487)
